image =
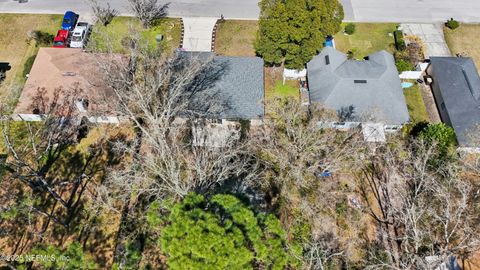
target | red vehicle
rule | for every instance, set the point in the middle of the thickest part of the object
(61, 40)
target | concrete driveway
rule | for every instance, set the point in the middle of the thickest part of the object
(198, 33)
(432, 36)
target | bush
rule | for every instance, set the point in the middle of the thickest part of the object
(350, 29)
(41, 38)
(452, 24)
(441, 134)
(399, 41)
(403, 65)
(351, 53)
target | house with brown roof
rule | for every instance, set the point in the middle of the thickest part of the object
(62, 77)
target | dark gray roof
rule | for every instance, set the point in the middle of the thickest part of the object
(459, 85)
(332, 83)
(238, 85)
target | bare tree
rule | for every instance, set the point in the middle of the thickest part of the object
(29, 161)
(423, 211)
(159, 95)
(103, 14)
(296, 150)
(148, 10)
(322, 252)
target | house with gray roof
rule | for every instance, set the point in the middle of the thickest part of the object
(456, 88)
(368, 90)
(234, 84)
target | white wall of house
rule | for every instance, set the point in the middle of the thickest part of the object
(42, 117)
(293, 74)
(372, 132)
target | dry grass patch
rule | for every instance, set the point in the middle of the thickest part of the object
(15, 47)
(368, 38)
(236, 38)
(114, 36)
(465, 40)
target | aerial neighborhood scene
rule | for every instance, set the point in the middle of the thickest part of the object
(240, 134)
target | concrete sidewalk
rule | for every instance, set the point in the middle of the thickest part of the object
(198, 34)
(432, 36)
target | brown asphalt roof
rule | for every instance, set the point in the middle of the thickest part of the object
(72, 71)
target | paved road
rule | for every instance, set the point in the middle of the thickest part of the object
(355, 10)
(247, 9)
(415, 10)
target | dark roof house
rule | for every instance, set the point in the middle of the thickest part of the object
(235, 83)
(456, 87)
(370, 87)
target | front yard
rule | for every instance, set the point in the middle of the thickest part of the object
(17, 50)
(113, 36)
(368, 38)
(465, 40)
(236, 38)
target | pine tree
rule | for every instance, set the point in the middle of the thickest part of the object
(293, 31)
(221, 233)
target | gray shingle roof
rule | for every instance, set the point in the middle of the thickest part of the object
(239, 85)
(459, 84)
(333, 85)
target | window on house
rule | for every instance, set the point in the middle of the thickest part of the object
(327, 59)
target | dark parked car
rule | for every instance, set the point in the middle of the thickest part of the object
(69, 20)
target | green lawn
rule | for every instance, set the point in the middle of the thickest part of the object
(465, 40)
(289, 89)
(16, 49)
(416, 106)
(236, 38)
(368, 38)
(113, 35)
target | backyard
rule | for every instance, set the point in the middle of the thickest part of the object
(464, 40)
(367, 38)
(113, 36)
(16, 48)
(275, 88)
(236, 38)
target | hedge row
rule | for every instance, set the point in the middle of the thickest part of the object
(399, 42)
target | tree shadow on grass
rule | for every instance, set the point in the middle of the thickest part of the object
(27, 66)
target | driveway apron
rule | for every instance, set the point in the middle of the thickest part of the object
(432, 36)
(198, 34)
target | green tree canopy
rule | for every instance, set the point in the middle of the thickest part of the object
(222, 233)
(293, 31)
(71, 258)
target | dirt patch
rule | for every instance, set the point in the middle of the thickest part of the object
(430, 104)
